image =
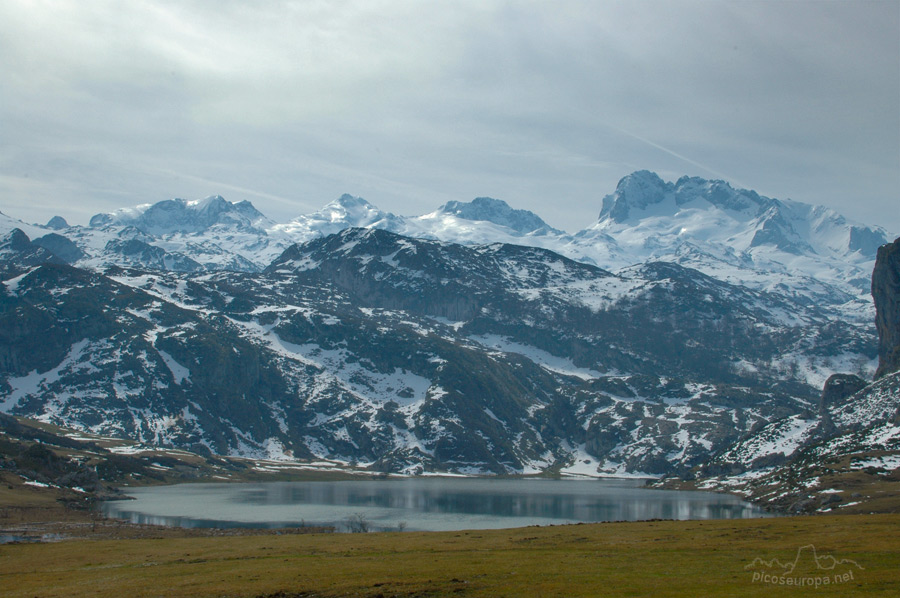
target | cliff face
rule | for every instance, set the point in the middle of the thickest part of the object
(886, 293)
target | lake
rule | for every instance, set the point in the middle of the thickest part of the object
(427, 504)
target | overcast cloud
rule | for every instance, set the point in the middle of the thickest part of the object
(546, 105)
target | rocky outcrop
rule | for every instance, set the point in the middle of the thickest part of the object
(839, 388)
(886, 293)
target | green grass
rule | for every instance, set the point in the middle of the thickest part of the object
(661, 558)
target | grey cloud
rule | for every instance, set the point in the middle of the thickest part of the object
(409, 104)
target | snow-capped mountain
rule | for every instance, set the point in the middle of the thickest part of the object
(740, 236)
(713, 211)
(409, 354)
(730, 234)
(188, 236)
(181, 216)
(496, 211)
(345, 212)
(475, 338)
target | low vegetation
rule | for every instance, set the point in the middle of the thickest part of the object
(658, 558)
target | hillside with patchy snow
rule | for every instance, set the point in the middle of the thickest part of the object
(692, 325)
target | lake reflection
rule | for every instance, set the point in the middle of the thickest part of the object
(421, 503)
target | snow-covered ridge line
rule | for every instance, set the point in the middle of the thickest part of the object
(731, 234)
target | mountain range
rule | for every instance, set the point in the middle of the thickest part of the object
(690, 318)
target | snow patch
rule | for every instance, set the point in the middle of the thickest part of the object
(180, 373)
(548, 361)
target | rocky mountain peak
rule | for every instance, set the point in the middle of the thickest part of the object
(61, 247)
(57, 223)
(499, 212)
(643, 189)
(183, 216)
(775, 230)
(348, 211)
(649, 216)
(886, 294)
(15, 240)
(349, 208)
(865, 240)
(720, 194)
(635, 191)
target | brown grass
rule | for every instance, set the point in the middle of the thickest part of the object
(662, 558)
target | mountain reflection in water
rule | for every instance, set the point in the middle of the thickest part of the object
(428, 504)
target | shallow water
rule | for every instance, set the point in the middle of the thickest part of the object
(432, 504)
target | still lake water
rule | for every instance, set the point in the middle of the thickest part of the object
(428, 504)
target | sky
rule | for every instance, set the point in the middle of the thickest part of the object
(410, 104)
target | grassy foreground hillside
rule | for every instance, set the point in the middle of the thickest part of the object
(856, 555)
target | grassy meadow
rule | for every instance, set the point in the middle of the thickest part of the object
(654, 558)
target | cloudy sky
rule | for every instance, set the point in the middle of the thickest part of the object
(410, 104)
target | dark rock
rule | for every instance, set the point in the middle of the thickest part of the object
(838, 388)
(886, 293)
(832, 499)
(804, 505)
(770, 460)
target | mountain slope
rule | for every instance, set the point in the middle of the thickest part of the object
(849, 449)
(413, 355)
(375, 340)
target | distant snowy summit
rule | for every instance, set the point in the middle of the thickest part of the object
(182, 216)
(345, 212)
(644, 218)
(643, 205)
(735, 235)
(450, 222)
(497, 211)
(57, 223)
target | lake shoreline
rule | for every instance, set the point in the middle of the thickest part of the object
(61, 515)
(423, 503)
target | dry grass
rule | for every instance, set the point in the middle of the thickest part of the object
(663, 558)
